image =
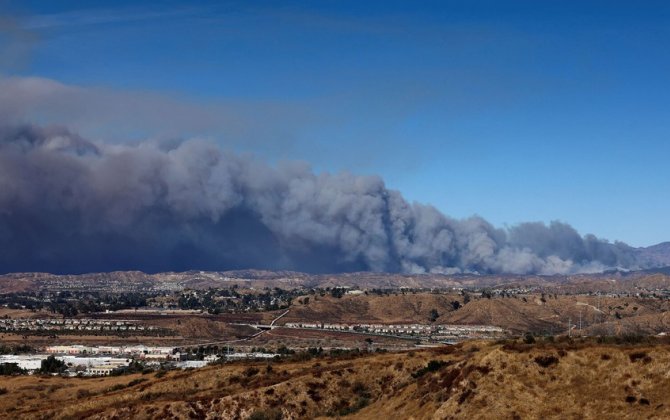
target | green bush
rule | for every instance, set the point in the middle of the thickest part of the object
(52, 365)
(432, 366)
(529, 338)
(11, 369)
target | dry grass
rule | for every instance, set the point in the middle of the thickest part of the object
(394, 308)
(569, 379)
(599, 315)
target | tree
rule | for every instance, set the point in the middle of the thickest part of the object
(11, 369)
(434, 315)
(337, 292)
(52, 365)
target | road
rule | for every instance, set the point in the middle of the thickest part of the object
(257, 326)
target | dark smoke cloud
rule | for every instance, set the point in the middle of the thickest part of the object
(69, 205)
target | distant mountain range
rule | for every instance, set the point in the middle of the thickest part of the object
(137, 281)
(656, 258)
(656, 255)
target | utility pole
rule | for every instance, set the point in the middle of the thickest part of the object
(569, 329)
(580, 322)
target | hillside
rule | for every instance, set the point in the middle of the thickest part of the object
(508, 380)
(518, 314)
(389, 309)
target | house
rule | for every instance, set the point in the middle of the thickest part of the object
(104, 370)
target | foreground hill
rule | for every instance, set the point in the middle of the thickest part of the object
(510, 380)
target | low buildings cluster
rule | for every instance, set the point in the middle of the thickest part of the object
(139, 351)
(104, 360)
(69, 324)
(101, 360)
(252, 355)
(418, 330)
(76, 365)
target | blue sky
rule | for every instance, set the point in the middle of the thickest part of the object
(515, 111)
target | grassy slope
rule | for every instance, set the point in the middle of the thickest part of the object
(477, 380)
(400, 308)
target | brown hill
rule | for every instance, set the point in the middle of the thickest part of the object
(388, 309)
(570, 379)
(537, 313)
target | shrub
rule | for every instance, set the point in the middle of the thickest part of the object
(435, 365)
(625, 339)
(360, 403)
(633, 338)
(314, 395)
(137, 381)
(546, 361)
(3, 391)
(269, 414)
(432, 366)
(484, 370)
(83, 393)
(250, 371)
(464, 396)
(639, 355)
(360, 389)
(116, 387)
(529, 338)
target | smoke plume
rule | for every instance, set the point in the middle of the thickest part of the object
(70, 205)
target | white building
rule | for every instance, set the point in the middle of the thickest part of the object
(28, 362)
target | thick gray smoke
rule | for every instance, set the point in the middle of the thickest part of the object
(69, 205)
